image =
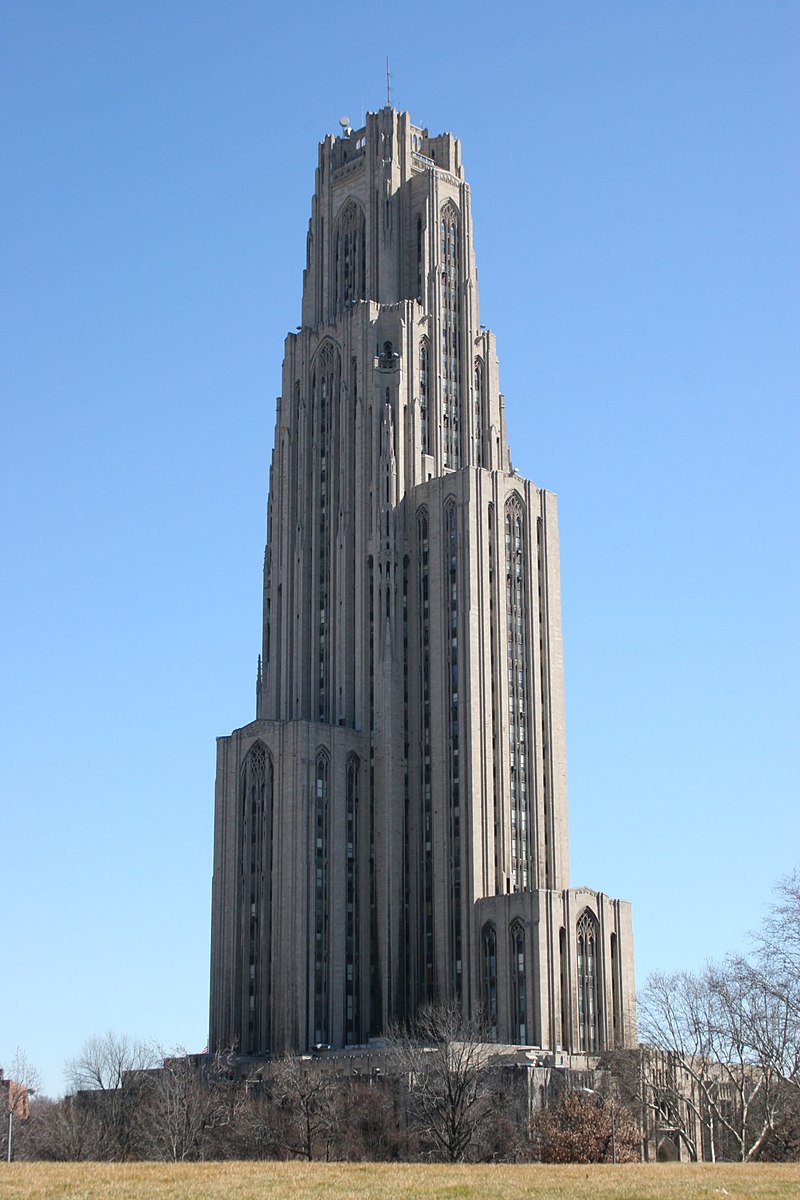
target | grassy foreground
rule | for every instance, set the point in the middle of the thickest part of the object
(318, 1181)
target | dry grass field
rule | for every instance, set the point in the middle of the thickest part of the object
(339, 1181)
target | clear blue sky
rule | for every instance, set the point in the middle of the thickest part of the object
(635, 188)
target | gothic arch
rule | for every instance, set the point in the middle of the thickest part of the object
(256, 775)
(449, 224)
(514, 502)
(327, 357)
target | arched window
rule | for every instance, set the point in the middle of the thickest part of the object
(519, 992)
(588, 1029)
(477, 412)
(350, 256)
(489, 973)
(517, 674)
(451, 335)
(424, 395)
(326, 380)
(321, 899)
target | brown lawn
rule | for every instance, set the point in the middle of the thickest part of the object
(304, 1181)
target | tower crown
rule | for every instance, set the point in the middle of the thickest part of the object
(373, 228)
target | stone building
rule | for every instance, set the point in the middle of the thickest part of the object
(392, 827)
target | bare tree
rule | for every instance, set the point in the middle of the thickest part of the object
(17, 1088)
(714, 1083)
(368, 1122)
(584, 1127)
(749, 1027)
(674, 1018)
(188, 1100)
(303, 1094)
(110, 1077)
(446, 1060)
(778, 940)
(63, 1131)
(775, 975)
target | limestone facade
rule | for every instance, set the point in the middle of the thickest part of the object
(392, 828)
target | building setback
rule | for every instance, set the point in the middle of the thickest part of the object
(391, 829)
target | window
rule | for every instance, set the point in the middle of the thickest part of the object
(426, 927)
(489, 953)
(451, 331)
(325, 387)
(451, 567)
(351, 910)
(477, 412)
(516, 613)
(588, 1031)
(256, 825)
(350, 260)
(519, 999)
(424, 395)
(321, 899)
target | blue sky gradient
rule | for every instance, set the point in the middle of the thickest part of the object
(635, 196)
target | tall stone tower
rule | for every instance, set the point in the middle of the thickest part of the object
(392, 827)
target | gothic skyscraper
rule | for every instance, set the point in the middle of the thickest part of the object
(392, 827)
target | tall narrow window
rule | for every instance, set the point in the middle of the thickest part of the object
(256, 825)
(519, 994)
(351, 905)
(517, 664)
(564, 984)
(321, 900)
(451, 336)
(489, 972)
(547, 841)
(325, 386)
(375, 1021)
(477, 413)
(350, 256)
(408, 988)
(615, 1004)
(424, 395)
(426, 831)
(451, 574)
(588, 1039)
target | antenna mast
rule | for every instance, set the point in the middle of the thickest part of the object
(388, 84)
